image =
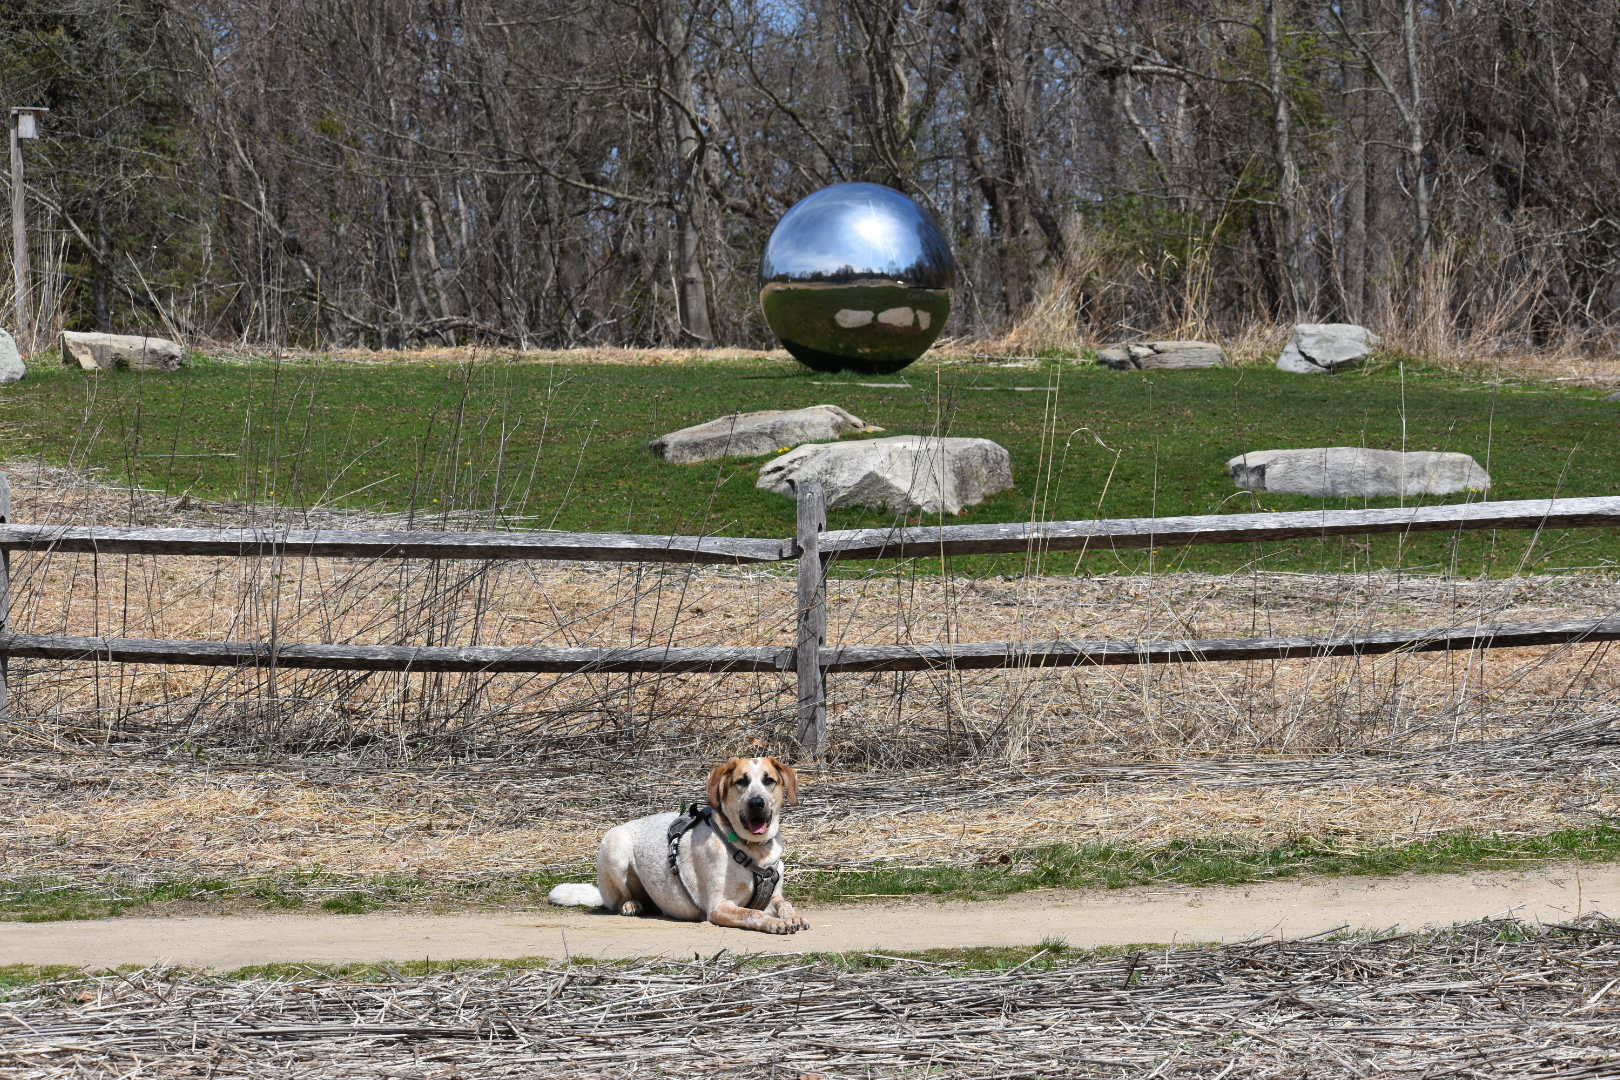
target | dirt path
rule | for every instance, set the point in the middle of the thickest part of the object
(1119, 917)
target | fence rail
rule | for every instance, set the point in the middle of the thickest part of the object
(1098, 535)
(813, 547)
(1005, 654)
(412, 544)
(490, 658)
(719, 659)
(1104, 534)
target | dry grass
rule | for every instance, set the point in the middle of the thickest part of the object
(150, 771)
(96, 817)
(1052, 326)
(885, 719)
(1483, 311)
(1487, 1000)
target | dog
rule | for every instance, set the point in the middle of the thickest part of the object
(720, 862)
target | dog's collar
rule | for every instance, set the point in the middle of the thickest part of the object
(732, 839)
(765, 877)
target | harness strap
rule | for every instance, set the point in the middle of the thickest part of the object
(765, 878)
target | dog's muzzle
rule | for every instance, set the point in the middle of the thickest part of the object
(756, 817)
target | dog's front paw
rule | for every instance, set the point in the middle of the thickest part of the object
(630, 907)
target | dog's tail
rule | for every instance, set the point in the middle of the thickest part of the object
(577, 894)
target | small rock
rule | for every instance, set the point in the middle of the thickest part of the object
(755, 433)
(902, 474)
(1162, 355)
(1322, 348)
(1353, 471)
(103, 352)
(1612, 397)
(1183, 355)
(11, 362)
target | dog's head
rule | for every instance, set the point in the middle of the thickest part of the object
(750, 792)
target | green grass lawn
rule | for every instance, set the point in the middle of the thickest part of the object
(563, 445)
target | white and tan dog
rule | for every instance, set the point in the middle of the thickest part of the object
(722, 862)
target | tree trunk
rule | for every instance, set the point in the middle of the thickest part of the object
(691, 292)
(1289, 233)
(100, 287)
(1353, 257)
(1416, 143)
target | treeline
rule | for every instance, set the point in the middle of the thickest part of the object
(573, 172)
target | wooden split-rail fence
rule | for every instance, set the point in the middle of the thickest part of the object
(814, 548)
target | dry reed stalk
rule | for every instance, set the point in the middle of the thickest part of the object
(1485, 1000)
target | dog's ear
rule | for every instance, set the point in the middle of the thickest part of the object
(719, 778)
(790, 780)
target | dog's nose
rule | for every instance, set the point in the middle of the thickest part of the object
(756, 802)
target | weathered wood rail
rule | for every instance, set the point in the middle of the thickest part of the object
(814, 548)
(412, 544)
(1106, 534)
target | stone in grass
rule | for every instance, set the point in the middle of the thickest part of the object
(11, 362)
(1356, 472)
(903, 474)
(1162, 355)
(1324, 348)
(103, 352)
(754, 433)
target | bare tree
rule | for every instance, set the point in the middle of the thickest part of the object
(565, 172)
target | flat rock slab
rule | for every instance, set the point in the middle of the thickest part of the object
(11, 362)
(1162, 355)
(1352, 471)
(104, 352)
(902, 474)
(754, 433)
(1111, 917)
(1323, 348)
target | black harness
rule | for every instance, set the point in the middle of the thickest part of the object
(765, 878)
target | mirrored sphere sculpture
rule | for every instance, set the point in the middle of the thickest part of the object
(856, 277)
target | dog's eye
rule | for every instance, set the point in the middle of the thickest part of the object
(742, 781)
(770, 781)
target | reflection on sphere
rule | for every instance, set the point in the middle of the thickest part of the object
(857, 277)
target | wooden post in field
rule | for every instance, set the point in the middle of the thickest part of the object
(24, 125)
(5, 594)
(812, 729)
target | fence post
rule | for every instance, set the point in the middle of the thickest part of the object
(812, 729)
(5, 596)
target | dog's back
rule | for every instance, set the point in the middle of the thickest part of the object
(632, 868)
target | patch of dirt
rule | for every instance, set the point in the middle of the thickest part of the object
(1289, 909)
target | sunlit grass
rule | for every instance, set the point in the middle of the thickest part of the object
(564, 445)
